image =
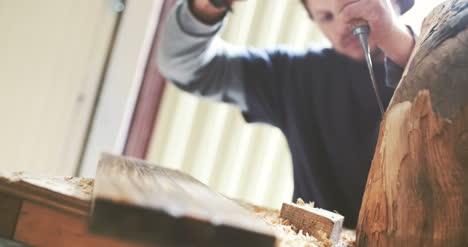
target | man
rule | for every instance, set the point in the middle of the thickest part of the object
(322, 100)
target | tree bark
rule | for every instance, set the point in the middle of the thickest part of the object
(417, 190)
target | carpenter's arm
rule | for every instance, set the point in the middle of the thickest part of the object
(399, 45)
(196, 60)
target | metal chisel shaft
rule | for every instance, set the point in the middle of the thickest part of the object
(361, 30)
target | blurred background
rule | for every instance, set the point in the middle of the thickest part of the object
(76, 78)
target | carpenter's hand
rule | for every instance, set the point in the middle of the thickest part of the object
(206, 12)
(387, 32)
(378, 13)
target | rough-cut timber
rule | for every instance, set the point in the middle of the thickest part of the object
(313, 221)
(48, 212)
(46, 227)
(417, 190)
(141, 202)
(55, 192)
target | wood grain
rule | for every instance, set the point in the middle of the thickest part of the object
(313, 221)
(141, 202)
(439, 60)
(48, 211)
(417, 189)
(45, 227)
(54, 192)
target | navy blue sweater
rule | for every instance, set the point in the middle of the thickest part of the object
(326, 108)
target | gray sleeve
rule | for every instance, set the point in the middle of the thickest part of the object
(196, 60)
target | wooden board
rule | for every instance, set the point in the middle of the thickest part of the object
(39, 224)
(45, 227)
(138, 201)
(9, 210)
(49, 211)
(313, 221)
(63, 193)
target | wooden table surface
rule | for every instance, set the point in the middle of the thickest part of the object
(41, 221)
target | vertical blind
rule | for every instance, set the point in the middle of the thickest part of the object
(211, 141)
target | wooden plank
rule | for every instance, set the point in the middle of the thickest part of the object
(45, 227)
(9, 210)
(48, 211)
(138, 201)
(314, 221)
(72, 195)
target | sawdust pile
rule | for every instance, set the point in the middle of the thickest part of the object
(289, 236)
(85, 184)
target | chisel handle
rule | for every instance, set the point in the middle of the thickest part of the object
(359, 26)
(358, 23)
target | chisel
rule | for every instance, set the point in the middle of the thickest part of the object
(361, 30)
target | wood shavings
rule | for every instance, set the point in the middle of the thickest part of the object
(74, 187)
(85, 184)
(289, 236)
(301, 202)
(11, 176)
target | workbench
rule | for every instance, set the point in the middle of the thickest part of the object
(54, 211)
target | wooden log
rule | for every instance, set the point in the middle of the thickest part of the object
(417, 190)
(141, 202)
(313, 221)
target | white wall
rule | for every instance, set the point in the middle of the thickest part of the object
(52, 55)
